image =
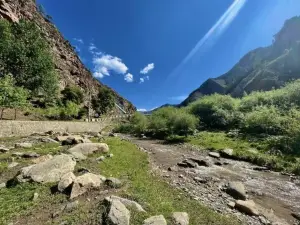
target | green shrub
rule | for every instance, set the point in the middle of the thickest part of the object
(216, 111)
(70, 111)
(104, 101)
(139, 123)
(264, 119)
(73, 94)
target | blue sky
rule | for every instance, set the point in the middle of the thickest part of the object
(154, 52)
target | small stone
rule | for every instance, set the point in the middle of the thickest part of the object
(23, 145)
(231, 204)
(71, 206)
(155, 220)
(12, 165)
(181, 176)
(236, 190)
(180, 218)
(113, 182)
(214, 155)
(247, 207)
(101, 158)
(2, 185)
(35, 197)
(110, 155)
(128, 203)
(3, 149)
(227, 153)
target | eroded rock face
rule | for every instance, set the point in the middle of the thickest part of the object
(80, 151)
(155, 220)
(51, 170)
(117, 213)
(7, 13)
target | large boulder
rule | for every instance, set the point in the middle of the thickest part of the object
(79, 151)
(236, 190)
(84, 182)
(128, 203)
(247, 207)
(117, 213)
(155, 220)
(180, 218)
(51, 170)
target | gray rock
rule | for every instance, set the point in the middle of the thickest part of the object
(68, 141)
(227, 153)
(110, 155)
(84, 149)
(117, 213)
(51, 170)
(12, 165)
(236, 190)
(35, 197)
(113, 182)
(63, 138)
(247, 207)
(65, 181)
(48, 140)
(180, 218)
(23, 145)
(3, 149)
(202, 161)
(101, 158)
(231, 204)
(2, 185)
(296, 215)
(214, 155)
(84, 182)
(128, 203)
(173, 168)
(41, 159)
(187, 164)
(155, 220)
(71, 206)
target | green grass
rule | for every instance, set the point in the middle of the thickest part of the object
(241, 147)
(132, 165)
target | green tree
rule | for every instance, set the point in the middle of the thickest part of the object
(12, 96)
(73, 94)
(25, 54)
(104, 101)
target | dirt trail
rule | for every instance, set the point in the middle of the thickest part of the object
(275, 195)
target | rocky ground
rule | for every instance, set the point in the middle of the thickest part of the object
(61, 178)
(254, 194)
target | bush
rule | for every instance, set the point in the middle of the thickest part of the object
(73, 94)
(139, 123)
(70, 111)
(104, 101)
(25, 54)
(264, 119)
(216, 111)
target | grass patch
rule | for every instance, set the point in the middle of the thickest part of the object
(146, 188)
(17, 201)
(248, 149)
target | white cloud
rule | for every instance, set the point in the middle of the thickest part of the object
(147, 69)
(128, 78)
(105, 64)
(142, 80)
(79, 40)
(92, 48)
(142, 110)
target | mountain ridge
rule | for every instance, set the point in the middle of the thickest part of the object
(261, 69)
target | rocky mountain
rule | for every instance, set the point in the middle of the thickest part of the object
(261, 69)
(68, 65)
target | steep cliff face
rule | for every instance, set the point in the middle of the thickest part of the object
(68, 65)
(260, 69)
